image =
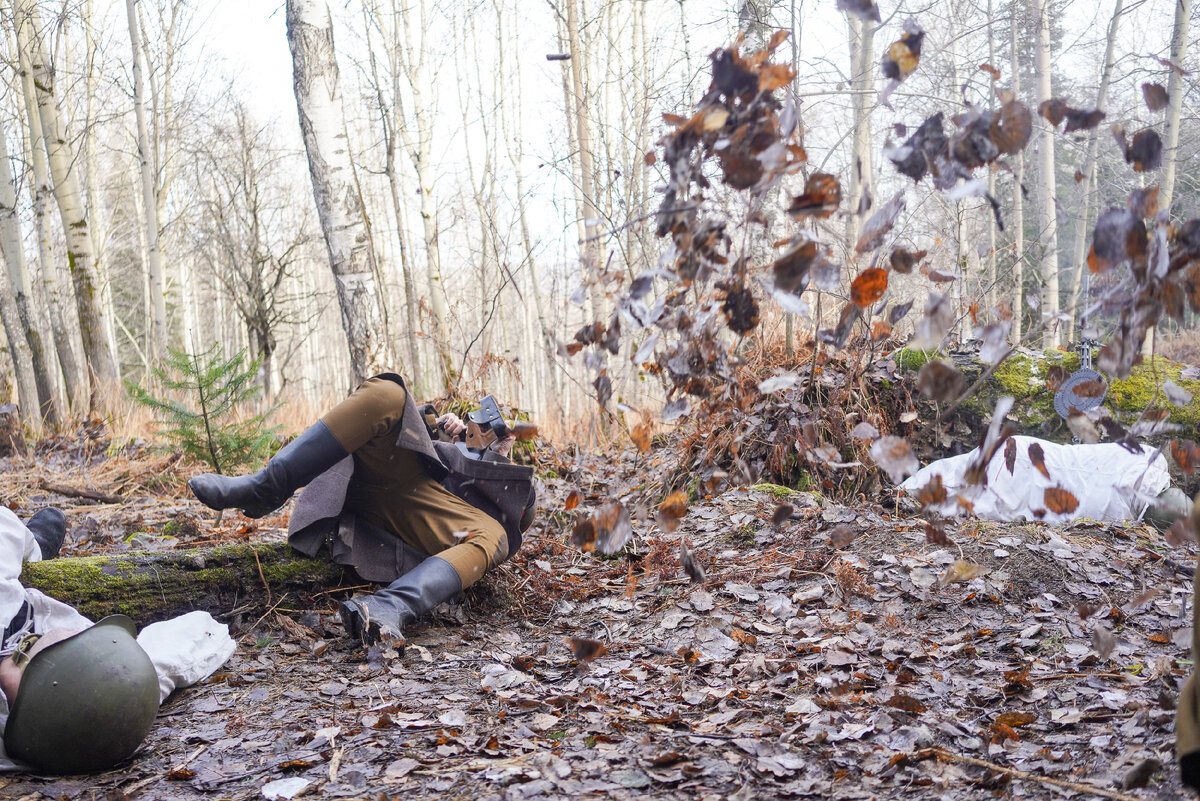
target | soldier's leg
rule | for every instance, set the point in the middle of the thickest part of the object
(365, 416)
(463, 542)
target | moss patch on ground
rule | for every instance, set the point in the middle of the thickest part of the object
(1023, 376)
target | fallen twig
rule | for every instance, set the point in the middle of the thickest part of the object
(1080, 787)
(80, 492)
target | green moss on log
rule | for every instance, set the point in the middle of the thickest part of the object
(156, 585)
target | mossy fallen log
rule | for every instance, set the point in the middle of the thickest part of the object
(243, 579)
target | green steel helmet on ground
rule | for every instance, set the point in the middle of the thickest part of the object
(86, 703)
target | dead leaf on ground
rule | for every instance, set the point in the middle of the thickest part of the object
(961, 571)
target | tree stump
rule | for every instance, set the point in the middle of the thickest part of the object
(12, 437)
(246, 579)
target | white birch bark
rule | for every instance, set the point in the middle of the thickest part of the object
(391, 121)
(63, 163)
(1089, 187)
(27, 337)
(1018, 200)
(335, 187)
(409, 47)
(862, 71)
(1047, 216)
(154, 262)
(1175, 90)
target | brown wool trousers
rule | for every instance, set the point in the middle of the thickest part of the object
(390, 490)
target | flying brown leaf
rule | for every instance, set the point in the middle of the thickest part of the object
(585, 650)
(932, 493)
(991, 71)
(573, 498)
(935, 534)
(903, 55)
(895, 457)
(1080, 120)
(903, 261)
(863, 9)
(1155, 95)
(1038, 458)
(791, 269)
(1103, 641)
(1053, 110)
(880, 223)
(741, 310)
(917, 156)
(1186, 454)
(782, 514)
(1144, 151)
(672, 510)
(1055, 377)
(687, 560)
(1093, 388)
(821, 198)
(641, 437)
(1060, 501)
(1180, 533)
(841, 536)
(941, 381)
(868, 286)
(1011, 127)
(1010, 455)
(524, 430)
(605, 530)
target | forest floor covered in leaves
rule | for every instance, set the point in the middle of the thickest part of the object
(876, 669)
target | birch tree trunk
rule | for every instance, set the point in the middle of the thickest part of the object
(577, 117)
(1175, 89)
(412, 62)
(102, 368)
(1089, 187)
(391, 119)
(34, 366)
(1047, 185)
(335, 187)
(1018, 226)
(862, 58)
(64, 319)
(154, 263)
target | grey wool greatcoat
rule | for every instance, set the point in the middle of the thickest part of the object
(492, 484)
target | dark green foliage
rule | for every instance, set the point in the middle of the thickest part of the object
(205, 391)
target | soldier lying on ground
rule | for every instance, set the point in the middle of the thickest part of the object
(427, 517)
(77, 698)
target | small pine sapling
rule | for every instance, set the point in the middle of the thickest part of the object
(203, 393)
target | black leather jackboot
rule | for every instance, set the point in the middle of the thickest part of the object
(49, 529)
(295, 465)
(385, 614)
